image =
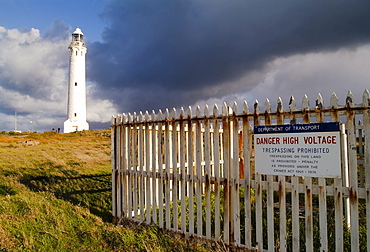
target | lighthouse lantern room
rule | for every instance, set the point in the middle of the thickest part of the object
(76, 109)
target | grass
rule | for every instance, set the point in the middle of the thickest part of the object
(56, 196)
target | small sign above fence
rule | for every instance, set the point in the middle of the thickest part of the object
(311, 150)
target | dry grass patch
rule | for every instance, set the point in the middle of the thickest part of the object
(56, 196)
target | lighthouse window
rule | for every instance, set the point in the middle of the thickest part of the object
(81, 53)
(75, 84)
(76, 53)
(75, 114)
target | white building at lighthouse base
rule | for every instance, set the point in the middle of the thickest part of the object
(71, 125)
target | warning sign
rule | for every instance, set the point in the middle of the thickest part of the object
(311, 150)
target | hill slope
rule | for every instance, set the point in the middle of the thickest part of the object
(55, 195)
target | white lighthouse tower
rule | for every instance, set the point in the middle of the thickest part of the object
(76, 110)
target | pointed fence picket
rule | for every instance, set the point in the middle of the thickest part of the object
(195, 175)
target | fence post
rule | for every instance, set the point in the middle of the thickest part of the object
(207, 161)
(155, 167)
(226, 155)
(198, 177)
(308, 185)
(322, 185)
(182, 169)
(258, 193)
(295, 189)
(352, 161)
(281, 186)
(113, 158)
(124, 166)
(338, 182)
(175, 172)
(119, 167)
(160, 169)
(167, 156)
(366, 119)
(270, 191)
(190, 170)
(148, 204)
(141, 163)
(130, 175)
(247, 150)
(217, 169)
(234, 178)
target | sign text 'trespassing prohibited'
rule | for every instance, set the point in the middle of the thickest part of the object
(311, 150)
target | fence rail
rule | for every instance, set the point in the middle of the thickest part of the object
(195, 174)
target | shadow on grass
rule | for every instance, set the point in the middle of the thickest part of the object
(90, 191)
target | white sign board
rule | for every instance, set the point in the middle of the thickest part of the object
(311, 150)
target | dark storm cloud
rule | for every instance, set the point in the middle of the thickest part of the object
(172, 53)
(57, 31)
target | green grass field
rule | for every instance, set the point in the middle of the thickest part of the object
(56, 196)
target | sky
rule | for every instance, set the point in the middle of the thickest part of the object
(148, 55)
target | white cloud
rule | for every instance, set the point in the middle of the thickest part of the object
(98, 110)
(32, 65)
(24, 103)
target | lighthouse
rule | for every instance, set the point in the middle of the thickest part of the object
(76, 109)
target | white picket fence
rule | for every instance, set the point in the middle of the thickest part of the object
(194, 174)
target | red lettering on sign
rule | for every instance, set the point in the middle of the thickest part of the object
(290, 140)
(268, 140)
(320, 140)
